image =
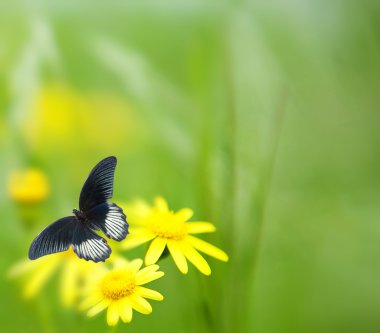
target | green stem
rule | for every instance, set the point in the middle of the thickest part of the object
(264, 191)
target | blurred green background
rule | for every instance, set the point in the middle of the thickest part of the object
(262, 116)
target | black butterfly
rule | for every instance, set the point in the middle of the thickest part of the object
(94, 213)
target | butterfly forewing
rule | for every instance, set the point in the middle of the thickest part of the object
(89, 245)
(95, 213)
(109, 218)
(56, 237)
(98, 187)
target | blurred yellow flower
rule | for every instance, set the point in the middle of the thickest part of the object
(37, 272)
(165, 228)
(59, 112)
(28, 186)
(120, 290)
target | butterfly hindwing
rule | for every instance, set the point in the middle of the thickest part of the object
(98, 187)
(89, 245)
(109, 218)
(95, 213)
(56, 237)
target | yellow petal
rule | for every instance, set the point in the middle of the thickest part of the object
(147, 276)
(93, 277)
(140, 304)
(113, 313)
(184, 214)
(178, 256)
(149, 293)
(135, 265)
(134, 240)
(199, 227)
(161, 204)
(22, 267)
(119, 262)
(207, 248)
(147, 270)
(125, 310)
(90, 301)
(137, 211)
(98, 307)
(195, 258)
(69, 280)
(39, 278)
(155, 250)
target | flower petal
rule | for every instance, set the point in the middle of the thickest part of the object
(207, 248)
(69, 281)
(140, 304)
(91, 301)
(146, 278)
(148, 274)
(184, 214)
(161, 204)
(155, 250)
(195, 258)
(113, 313)
(135, 239)
(177, 255)
(149, 293)
(125, 310)
(21, 268)
(118, 262)
(137, 211)
(147, 270)
(98, 307)
(135, 265)
(39, 278)
(199, 227)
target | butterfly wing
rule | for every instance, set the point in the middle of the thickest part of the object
(109, 218)
(89, 245)
(56, 237)
(98, 187)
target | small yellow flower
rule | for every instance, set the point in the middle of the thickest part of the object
(120, 290)
(28, 187)
(165, 228)
(37, 272)
(58, 112)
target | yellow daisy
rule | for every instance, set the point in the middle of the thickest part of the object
(120, 290)
(57, 112)
(36, 273)
(28, 186)
(165, 228)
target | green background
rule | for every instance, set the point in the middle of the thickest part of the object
(262, 116)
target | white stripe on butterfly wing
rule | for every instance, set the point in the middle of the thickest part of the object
(89, 245)
(110, 218)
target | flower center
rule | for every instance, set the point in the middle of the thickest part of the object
(118, 284)
(168, 227)
(69, 254)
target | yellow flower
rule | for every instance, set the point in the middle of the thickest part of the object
(59, 112)
(37, 272)
(120, 290)
(29, 186)
(165, 228)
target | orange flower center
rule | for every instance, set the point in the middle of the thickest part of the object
(118, 284)
(166, 225)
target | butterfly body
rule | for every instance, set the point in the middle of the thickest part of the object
(95, 213)
(79, 215)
